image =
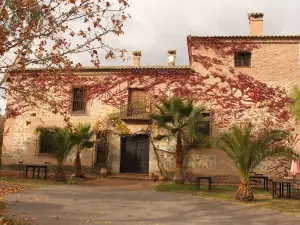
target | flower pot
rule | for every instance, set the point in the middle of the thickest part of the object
(161, 178)
(103, 172)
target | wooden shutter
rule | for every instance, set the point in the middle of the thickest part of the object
(137, 102)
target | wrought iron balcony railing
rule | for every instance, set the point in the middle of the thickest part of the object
(139, 110)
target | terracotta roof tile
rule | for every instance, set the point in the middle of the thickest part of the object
(126, 69)
(251, 37)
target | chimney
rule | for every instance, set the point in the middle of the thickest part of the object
(137, 58)
(171, 57)
(256, 22)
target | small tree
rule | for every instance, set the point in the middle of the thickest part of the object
(47, 34)
(295, 107)
(82, 134)
(62, 142)
(247, 151)
(178, 118)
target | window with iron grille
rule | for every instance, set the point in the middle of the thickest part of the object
(79, 100)
(204, 126)
(242, 59)
(203, 132)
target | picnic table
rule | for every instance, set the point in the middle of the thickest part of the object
(280, 185)
(39, 167)
(265, 178)
(204, 178)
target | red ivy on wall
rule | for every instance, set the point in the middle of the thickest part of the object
(225, 91)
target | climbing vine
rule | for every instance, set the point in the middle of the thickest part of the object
(113, 123)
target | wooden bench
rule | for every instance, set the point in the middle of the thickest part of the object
(296, 189)
(39, 167)
(204, 178)
(259, 177)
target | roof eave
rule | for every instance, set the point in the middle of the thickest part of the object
(265, 37)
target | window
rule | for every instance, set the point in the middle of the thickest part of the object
(45, 144)
(137, 102)
(78, 100)
(203, 133)
(242, 59)
(204, 126)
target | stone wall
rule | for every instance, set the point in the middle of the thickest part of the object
(21, 144)
(205, 162)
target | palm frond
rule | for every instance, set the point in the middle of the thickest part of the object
(82, 135)
(247, 153)
(61, 140)
(179, 118)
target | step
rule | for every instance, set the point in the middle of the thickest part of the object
(128, 176)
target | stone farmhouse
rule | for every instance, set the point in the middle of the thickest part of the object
(276, 62)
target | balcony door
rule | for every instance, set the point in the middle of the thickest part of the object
(138, 103)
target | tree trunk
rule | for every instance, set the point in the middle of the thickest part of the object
(245, 192)
(78, 165)
(178, 177)
(60, 174)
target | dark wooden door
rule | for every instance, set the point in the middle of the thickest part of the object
(135, 154)
(101, 148)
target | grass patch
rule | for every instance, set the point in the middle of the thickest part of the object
(262, 198)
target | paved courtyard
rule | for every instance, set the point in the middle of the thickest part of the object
(100, 204)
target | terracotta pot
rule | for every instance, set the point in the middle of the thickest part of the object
(161, 178)
(103, 172)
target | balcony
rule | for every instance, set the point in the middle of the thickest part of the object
(136, 110)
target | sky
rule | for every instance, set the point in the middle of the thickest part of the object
(156, 26)
(159, 25)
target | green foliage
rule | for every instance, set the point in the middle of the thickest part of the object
(247, 152)
(62, 142)
(179, 119)
(295, 108)
(82, 135)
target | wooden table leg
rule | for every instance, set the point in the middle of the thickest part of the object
(33, 171)
(198, 184)
(267, 184)
(45, 170)
(289, 190)
(209, 187)
(26, 168)
(39, 169)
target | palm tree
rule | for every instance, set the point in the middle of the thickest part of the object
(82, 134)
(178, 119)
(62, 142)
(247, 152)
